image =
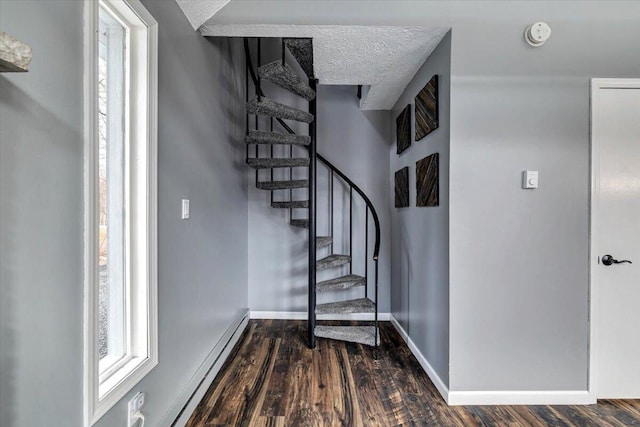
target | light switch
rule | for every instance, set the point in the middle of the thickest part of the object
(185, 208)
(529, 180)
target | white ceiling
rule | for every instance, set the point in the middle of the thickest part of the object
(383, 57)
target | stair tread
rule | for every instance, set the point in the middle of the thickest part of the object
(359, 305)
(286, 78)
(332, 261)
(293, 204)
(302, 51)
(270, 163)
(359, 334)
(302, 223)
(322, 241)
(343, 282)
(266, 137)
(270, 108)
(283, 185)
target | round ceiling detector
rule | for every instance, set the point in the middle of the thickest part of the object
(538, 33)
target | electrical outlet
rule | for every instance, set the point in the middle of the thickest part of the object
(135, 405)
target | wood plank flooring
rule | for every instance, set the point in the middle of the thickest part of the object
(272, 379)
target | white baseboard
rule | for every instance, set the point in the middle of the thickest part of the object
(466, 398)
(520, 398)
(302, 315)
(181, 410)
(435, 378)
(179, 413)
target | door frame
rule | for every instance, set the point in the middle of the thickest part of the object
(594, 248)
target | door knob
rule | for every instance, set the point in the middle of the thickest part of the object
(608, 260)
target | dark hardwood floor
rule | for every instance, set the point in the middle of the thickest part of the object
(272, 379)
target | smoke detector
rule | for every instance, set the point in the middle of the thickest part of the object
(538, 33)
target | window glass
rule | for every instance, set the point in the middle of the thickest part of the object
(112, 212)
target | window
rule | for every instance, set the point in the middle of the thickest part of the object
(120, 212)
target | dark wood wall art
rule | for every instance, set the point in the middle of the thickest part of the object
(427, 181)
(403, 130)
(402, 188)
(426, 105)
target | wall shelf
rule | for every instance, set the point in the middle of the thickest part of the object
(15, 56)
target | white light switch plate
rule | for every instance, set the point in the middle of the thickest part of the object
(185, 208)
(529, 180)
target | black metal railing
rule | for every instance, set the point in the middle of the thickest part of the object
(312, 218)
(312, 209)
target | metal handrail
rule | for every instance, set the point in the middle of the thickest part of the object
(313, 156)
(374, 214)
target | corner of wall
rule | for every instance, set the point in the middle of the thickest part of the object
(420, 235)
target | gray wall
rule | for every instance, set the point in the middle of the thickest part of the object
(518, 315)
(202, 261)
(355, 142)
(519, 279)
(420, 235)
(41, 219)
(277, 273)
(519, 259)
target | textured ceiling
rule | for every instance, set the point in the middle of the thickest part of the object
(383, 58)
(200, 11)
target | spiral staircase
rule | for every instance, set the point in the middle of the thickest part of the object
(286, 193)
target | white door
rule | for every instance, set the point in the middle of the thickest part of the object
(615, 130)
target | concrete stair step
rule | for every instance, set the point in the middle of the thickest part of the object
(360, 305)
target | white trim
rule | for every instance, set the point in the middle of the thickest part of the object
(180, 412)
(94, 406)
(90, 201)
(625, 83)
(513, 397)
(455, 398)
(433, 375)
(594, 249)
(302, 315)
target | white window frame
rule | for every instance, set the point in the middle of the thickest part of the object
(101, 393)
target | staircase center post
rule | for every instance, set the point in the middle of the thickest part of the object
(312, 220)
